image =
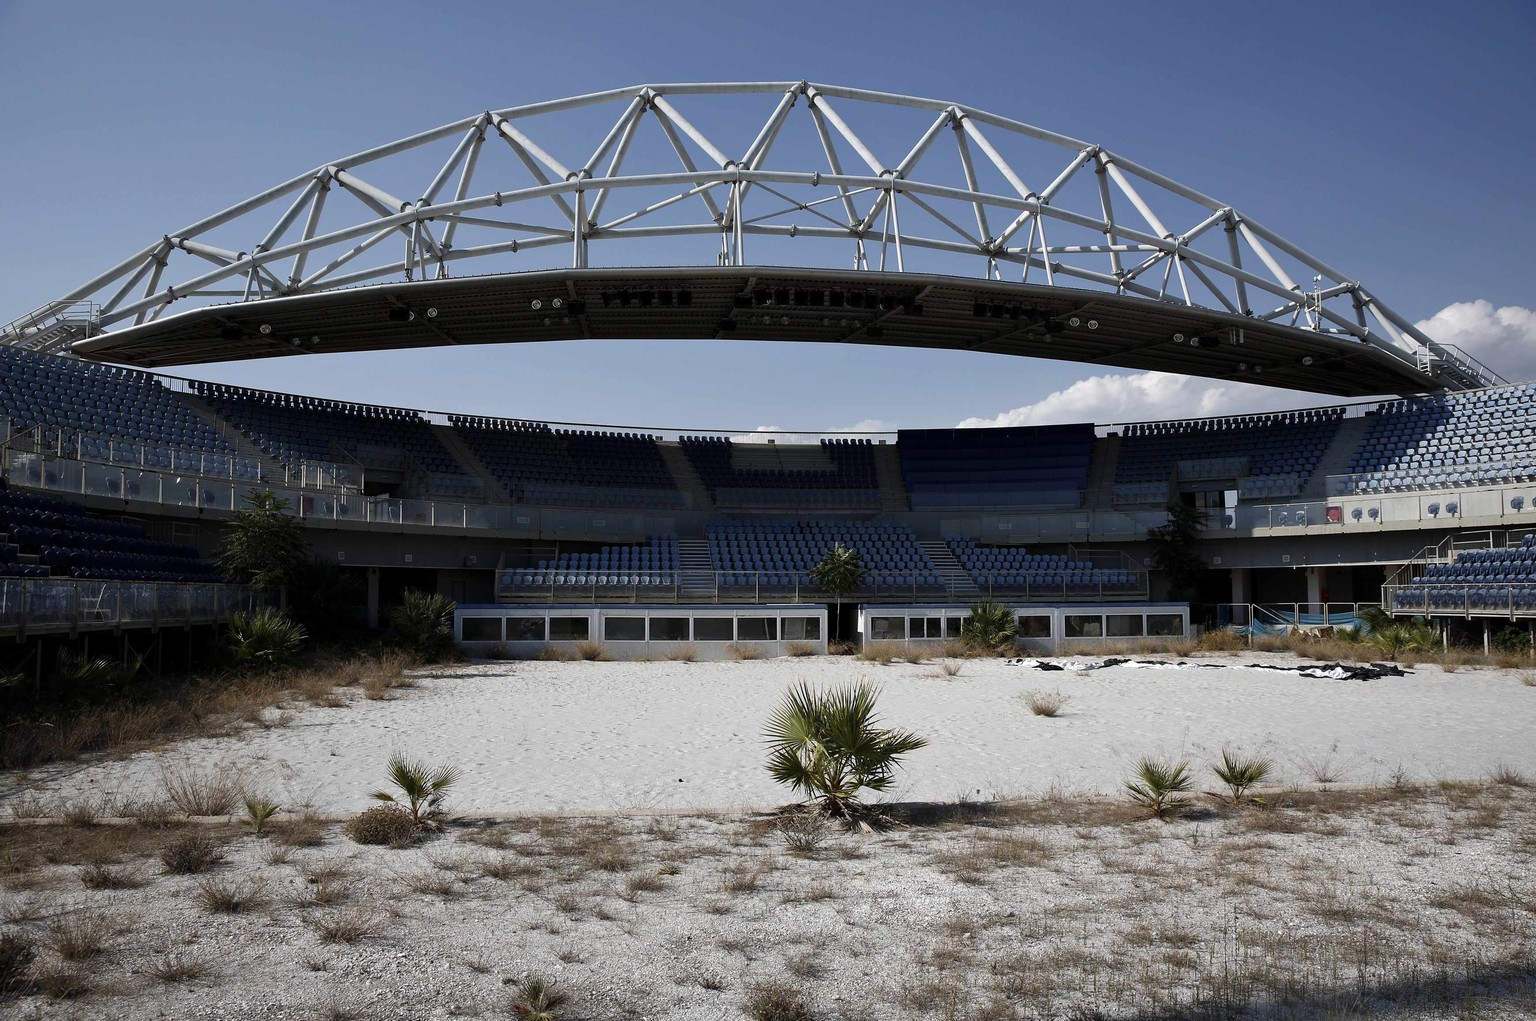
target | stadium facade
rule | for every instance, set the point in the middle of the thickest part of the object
(118, 480)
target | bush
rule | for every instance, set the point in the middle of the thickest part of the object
(423, 624)
(1046, 703)
(422, 788)
(538, 999)
(265, 639)
(1240, 772)
(826, 744)
(776, 1001)
(77, 678)
(190, 854)
(991, 626)
(382, 825)
(1159, 786)
(16, 956)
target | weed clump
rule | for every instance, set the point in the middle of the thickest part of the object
(16, 956)
(190, 854)
(777, 1001)
(382, 825)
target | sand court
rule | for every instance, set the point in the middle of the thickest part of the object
(553, 736)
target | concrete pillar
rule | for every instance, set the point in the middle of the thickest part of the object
(1317, 580)
(373, 598)
(1242, 584)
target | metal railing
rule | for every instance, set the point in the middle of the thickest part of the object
(53, 605)
(766, 587)
(1461, 599)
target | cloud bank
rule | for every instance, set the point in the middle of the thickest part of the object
(1505, 338)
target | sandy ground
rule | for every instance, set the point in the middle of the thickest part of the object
(1410, 900)
(551, 736)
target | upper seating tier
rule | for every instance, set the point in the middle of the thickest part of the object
(1029, 466)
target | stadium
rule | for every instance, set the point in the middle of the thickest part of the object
(925, 224)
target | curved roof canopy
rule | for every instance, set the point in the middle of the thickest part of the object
(763, 210)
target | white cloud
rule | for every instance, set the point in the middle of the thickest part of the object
(773, 432)
(1140, 396)
(1504, 338)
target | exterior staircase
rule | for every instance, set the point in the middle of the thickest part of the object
(244, 446)
(688, 481)
(956, 578)
(696, 572)
(470, 460)
(893, 492)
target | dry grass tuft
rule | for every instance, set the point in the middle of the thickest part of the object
(105, 877)
(350, 926)
(777, 1001)
(744, 651)
(683, 653)
(202, 792)
(228, 897)
(173, 969)
(85, 935)
(1046, 703)
(190, 854)
(800, 649)
(590, 651)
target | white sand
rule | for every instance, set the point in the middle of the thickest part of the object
(540, 736)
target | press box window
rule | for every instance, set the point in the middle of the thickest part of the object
(1034, 625)
(482, 629)
(669, 629)
(926, 627)
(714, 629)
(802, 629)
(757, 629)
(568, 629)
(1123, 625)
(883, 629)
(525, 629)
(624, 629)
(1084, 625)
(1165, 625)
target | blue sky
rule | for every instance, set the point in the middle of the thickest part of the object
(1392, 140)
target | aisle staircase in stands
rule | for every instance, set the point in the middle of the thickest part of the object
(243, 444)
(696, 572)
(1335, 460)
(1100, 488)
(893, 492)
(687, 480)
(956, 578)
(470, 461)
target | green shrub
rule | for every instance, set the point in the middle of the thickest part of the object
(827, 745)
(77, 678)
(990, 626)
(422, 788)
(1241, 772)
(423, 624)
(1159, 786)
(382, 825)
(264, 639)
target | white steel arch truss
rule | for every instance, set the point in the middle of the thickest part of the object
(951, 189)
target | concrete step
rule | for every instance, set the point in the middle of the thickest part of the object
(893, 492)
(1100, 489)
(688, 482)
(955, 576)
(471, 462)
(1335, 460)
(696, 571)
(244, 446)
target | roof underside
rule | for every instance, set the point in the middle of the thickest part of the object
(772, 304)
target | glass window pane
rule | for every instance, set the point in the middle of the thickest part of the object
(757, 629)
(1084, 625)
(714, 629)
(887, 628)
(1123, 625)
(952, 626)
(802, 629)
(624, 629)
(669, 629)
(568, 629)
(482, 629)
(1034, 625)
(1165, 624)
(525, 629)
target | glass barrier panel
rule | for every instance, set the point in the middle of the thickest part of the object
(13, 593)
